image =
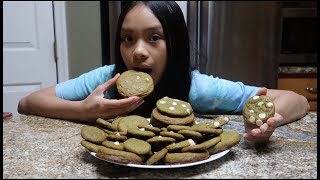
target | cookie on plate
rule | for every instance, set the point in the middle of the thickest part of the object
(131, 121)
(173, 107)
(157, 156)
(177, 136)
(113, 145)
(258, 109)
(160, 120)
(185, 157)
(137, 146)
(134, 83)
(229, 138)
(214, 123)
(140, 133)
(159, 142)
(202, 146)
(180, 145)
(90, 146)
(119, 156)
(93, 134)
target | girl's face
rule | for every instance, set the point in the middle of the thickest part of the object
(143, 45)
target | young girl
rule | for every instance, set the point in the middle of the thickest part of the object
(152, 37)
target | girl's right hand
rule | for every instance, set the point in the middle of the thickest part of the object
(96, 106)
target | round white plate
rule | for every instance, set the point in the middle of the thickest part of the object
(211, 158)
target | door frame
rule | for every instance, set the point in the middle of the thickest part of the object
(61, 39)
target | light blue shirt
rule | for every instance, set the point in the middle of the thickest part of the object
(207, 94)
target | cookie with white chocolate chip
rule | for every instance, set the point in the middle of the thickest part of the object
(258, 109)
(173, 107)
(160, 120)
(135, 83)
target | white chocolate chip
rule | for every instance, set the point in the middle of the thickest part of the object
(262, 115)
(171, 131)
(117, 134)
(216, 124)
(183, 105)
(191, 142)
(166, 97)
(116, 143)
(160, 136)
(138, 77)
(260, 103)
(162, 102)
(251, 111)
(147, 79)
(226, 119)
(255, 97)
(141, 129)
(171, 108)
(176, 99)
(269, 104)
(174, 103)
(252, 119)
(259, 122)
(188, 111)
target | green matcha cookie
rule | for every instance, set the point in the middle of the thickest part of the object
(160, 120)
(173, 107)
(117, 137)
(202, 146)
(180, 145)
(157, 156)
(119, 156)
(229, 138)
(149, 127)
(90, 146)
(177, 128)
(172, 134)
(214, 123)
(186, 157)
(113, 145)
(93, 134)
(137, 146)
(190, 134)
(105, 124)
(258, 109)
(159, 142)
(140, 133)
(134, 83)
(131, 121)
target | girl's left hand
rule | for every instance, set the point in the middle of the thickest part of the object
(261, 134)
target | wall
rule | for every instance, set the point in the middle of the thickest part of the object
(84, 36)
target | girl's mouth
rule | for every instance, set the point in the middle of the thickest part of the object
(146, 70)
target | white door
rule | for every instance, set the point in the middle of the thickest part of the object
(28, 53)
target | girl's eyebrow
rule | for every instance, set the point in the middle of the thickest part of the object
(152, 28)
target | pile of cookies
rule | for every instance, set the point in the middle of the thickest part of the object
(170, 137)
(170, 140)
(171, 111)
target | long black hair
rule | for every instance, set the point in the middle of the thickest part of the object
(176, 80)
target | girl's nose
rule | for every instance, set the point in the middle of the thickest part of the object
(140, 53)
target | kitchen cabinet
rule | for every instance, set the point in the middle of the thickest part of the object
(303, 84)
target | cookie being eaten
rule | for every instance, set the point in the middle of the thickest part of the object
(134, 83)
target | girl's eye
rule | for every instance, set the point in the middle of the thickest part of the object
(155, 37)
(127, 39)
